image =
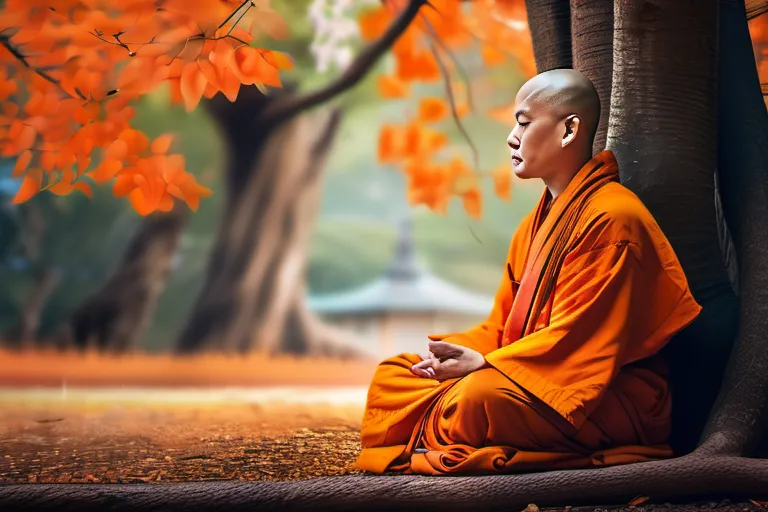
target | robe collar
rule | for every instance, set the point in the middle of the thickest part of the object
(549, 242)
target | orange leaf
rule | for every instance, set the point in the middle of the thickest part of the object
(192, 85)
(502, 181)
(491, 55)
(272, 23)
(161, 144)
(391, 87)
(106, 170)
(22, 162)
(389, 144)
(432, 109)
(374, 23)
(473, 203)
(83, 187)
(30, 186)
(279, 60)
(26, 137)
(124, 183)
(638, 500)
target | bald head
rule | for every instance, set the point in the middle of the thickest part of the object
(565, 92)
(557, 113)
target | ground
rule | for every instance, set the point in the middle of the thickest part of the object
(161, 435)
(132, 435)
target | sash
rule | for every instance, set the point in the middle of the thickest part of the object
(549, 243)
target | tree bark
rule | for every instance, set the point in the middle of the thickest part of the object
(664, 134)
(116, 316)
(550, 24)
(738, 419)
(592, 48)
(253, 297)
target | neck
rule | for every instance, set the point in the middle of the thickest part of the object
(559, 181)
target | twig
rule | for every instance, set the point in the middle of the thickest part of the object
(6, 42)
(365, 60)
(451, 99)
(245, 11)
(462, 71)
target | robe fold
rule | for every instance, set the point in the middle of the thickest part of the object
(591, 292)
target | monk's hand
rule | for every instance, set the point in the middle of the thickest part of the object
(424, 368)
(448, 361)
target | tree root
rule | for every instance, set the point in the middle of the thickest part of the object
(689, 477)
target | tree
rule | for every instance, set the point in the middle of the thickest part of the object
(666, 83)
(70, 72)
(114, 317)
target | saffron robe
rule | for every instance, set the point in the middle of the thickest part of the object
(592, 291)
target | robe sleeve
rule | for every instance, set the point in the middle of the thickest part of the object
(613, 305)
(485, 336)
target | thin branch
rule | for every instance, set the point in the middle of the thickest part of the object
(235, 12)
(365, 60)
(462, 71)
(6, 42)
(449, 92)
(245, 11)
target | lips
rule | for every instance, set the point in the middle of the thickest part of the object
(516, 159)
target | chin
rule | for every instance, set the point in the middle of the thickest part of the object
(520, 172)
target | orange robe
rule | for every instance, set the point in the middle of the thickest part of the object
(592, 291)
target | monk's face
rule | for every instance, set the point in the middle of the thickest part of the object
(536, 142)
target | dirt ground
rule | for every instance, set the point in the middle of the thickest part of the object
(168, 435)
(142, 437)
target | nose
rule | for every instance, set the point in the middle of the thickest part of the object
(513, 142)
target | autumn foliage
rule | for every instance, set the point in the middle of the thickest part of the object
(426, 53)
(70, 70)
(70, 73)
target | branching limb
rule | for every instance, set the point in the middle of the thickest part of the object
(366, 59)
(13, 50)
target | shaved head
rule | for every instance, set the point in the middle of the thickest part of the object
(565, 92)
(557, 113)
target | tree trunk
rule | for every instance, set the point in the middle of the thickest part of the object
(592, 46)
(45, 278)
(550, 24)
(253, 296)
(663, 132)
(116, 316)
(738, 419)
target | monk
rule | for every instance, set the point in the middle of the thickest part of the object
(566, 370)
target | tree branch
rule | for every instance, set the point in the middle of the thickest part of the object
(6, 42)
(366, 59)
(449, 92)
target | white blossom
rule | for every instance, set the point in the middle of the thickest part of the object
(336, 29)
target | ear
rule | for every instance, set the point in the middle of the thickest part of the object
(572, 124)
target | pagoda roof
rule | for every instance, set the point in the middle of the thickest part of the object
(406, 286)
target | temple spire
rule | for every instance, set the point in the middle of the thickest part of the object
(404, 266)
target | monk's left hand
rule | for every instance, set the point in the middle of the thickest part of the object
(449, 361)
